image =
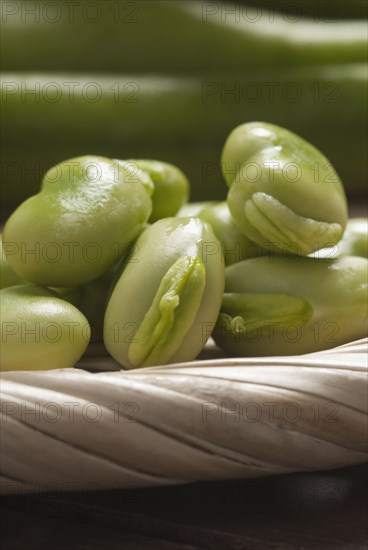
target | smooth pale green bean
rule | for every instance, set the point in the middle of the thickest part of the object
(77, 227)
(278, 306)
(39, 330)
(171, 187)
(235, 245)
(280, 196)
(167, 299)
(8, 277)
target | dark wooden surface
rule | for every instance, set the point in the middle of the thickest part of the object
(305, 511)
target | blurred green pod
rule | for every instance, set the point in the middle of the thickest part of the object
(277, 195)
(171, 187)
(279, 306)
(87, 213)
(167, 299)
(235, 244)
(39, 330)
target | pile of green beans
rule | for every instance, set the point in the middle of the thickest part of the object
(110, 250)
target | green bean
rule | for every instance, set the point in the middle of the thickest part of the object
(78, 226)
(171, 187)
(167, 296)
(275, 196)
(39, 330)
(285, 306)
(235, 245)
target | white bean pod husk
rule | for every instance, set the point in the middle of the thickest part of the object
(211, 419)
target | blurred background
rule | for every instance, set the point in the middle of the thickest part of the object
(170, 79)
